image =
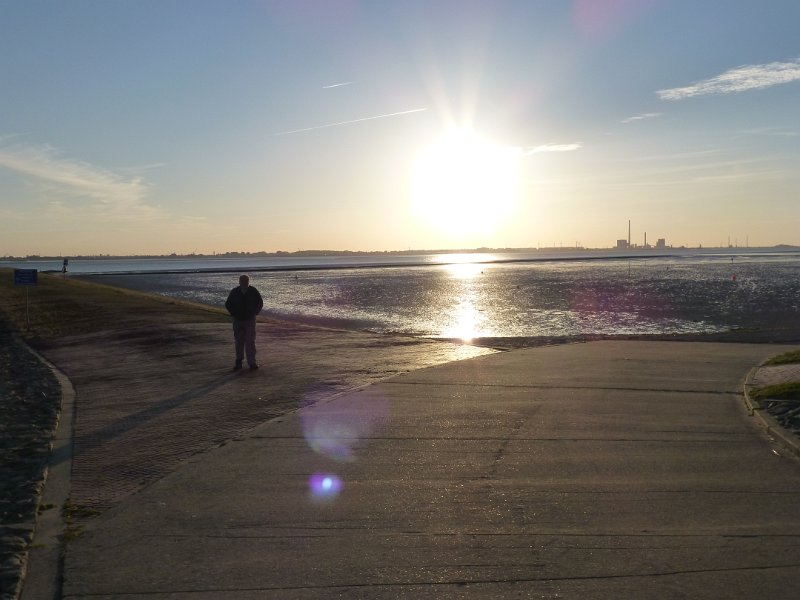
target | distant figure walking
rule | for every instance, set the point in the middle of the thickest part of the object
(244, 303)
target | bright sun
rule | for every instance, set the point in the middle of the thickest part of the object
(464, 184)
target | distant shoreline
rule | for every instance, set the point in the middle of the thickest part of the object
(303, 262)
(625, 252)
(335, 267)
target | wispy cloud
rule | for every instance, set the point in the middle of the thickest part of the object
(770, 131)
(336, 85)
(694, 169)
(552, 148)
(395, 114)
(641, 117)
(5, 137)
(140, 168)
(106, 192)
(7, 214)
(679, 156)
(740, 79)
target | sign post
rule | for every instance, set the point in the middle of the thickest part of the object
(27, 278)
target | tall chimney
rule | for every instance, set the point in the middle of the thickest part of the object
(629, 233)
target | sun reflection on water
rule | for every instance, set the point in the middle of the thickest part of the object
(467, 318)
(464, 270)
(464, 258)
(465, 323)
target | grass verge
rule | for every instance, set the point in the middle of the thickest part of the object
(787, 358)
(59, 307)
(780, 391)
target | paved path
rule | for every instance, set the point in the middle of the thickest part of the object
(600, 470)
(149, 398)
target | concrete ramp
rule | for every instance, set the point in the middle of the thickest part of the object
(598, 470)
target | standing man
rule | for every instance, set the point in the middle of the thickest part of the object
(244, 303)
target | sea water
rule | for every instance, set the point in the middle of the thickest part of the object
(462, 297)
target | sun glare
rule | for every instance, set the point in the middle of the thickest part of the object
(464, 184)
(464, 270)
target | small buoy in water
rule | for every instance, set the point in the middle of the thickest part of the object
(734, 276)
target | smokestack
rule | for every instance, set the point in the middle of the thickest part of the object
(645, 239)
(629, 233)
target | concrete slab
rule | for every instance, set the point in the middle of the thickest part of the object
(149, 398)
(600, 470)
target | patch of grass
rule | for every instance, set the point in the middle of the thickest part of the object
(60, 307)
(787, 358)
(781, 391)
(72, 532)
(45, 506)
(71, 512)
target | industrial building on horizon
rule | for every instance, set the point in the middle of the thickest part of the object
(624, 244)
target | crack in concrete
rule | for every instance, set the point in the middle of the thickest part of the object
(454, 582)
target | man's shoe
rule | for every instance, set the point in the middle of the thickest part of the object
(253, 367)
(237, 366)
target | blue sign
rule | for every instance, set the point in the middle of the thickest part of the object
(25, 276)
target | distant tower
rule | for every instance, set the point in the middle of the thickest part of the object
(629, 233)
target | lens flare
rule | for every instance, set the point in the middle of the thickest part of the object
(334, 429)
(324, 486)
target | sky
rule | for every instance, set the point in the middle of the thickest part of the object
(198, 126)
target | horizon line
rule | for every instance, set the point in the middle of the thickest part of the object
(321, 252)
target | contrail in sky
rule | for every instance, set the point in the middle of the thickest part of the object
(396, 114)
(335, 85)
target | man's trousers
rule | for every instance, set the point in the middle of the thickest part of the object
(244, 336)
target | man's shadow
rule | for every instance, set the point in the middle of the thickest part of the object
(135, 420)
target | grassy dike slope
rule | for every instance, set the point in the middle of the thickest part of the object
(62, 306)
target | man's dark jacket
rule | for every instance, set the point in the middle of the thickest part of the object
(244, 307)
